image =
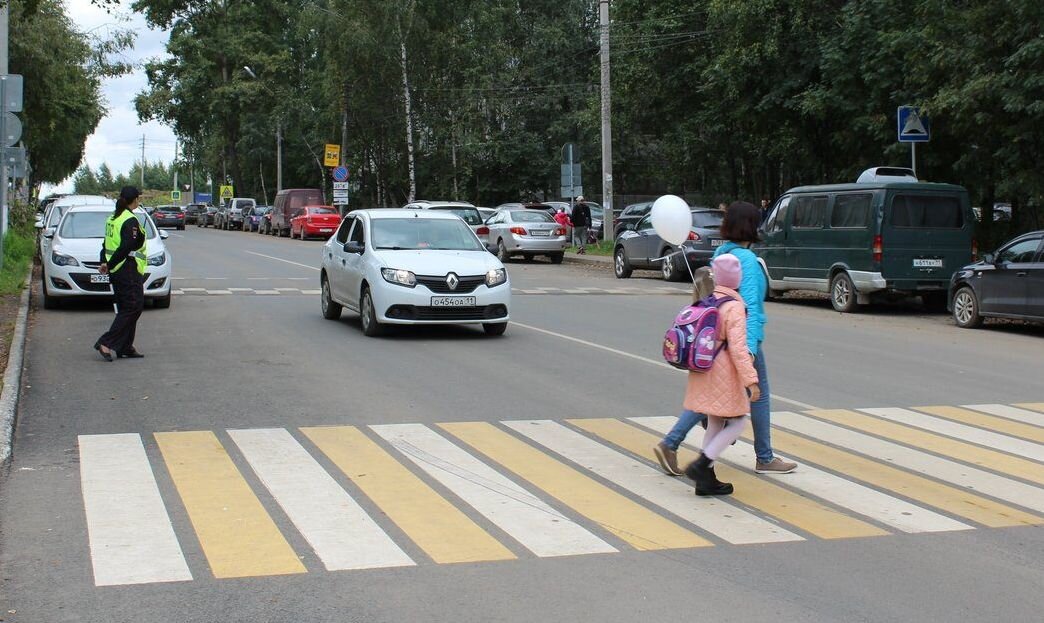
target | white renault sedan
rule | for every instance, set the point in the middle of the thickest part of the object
(70, 269)
(413, 267)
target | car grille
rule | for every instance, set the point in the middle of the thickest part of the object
(438, 284)
(482, 312)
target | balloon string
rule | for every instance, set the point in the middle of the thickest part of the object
(692, 275)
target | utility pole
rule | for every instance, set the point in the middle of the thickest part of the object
(344, 127)
(176, 166)
(142, 163)
(279, 155)
(4, 13)
(607, 123)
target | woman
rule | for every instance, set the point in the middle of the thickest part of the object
(740, 229)
(123, 258)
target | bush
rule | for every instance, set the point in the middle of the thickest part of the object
(19, 247)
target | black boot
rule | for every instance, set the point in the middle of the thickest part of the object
(724, 487)
(706, 483)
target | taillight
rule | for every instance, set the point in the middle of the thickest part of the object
(518, 231)
(975, 250)
(694, 237)
(181, 215)
(560, 231)
(482, 231)
(878, 248)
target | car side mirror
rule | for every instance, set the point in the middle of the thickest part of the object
(164, 235)
(49, 233)
(38, 224)
(989, 258)
(492, 248)
(628, 226)
(354, 247)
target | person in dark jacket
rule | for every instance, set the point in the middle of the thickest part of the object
(123, 258)
(581, 219)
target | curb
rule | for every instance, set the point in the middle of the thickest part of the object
(590, 261)
(13, 373)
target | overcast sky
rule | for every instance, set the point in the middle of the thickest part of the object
(117, 139)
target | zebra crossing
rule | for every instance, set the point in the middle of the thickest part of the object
(544, 291)
(407, 495)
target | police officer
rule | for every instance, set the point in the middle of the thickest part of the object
(123, 258)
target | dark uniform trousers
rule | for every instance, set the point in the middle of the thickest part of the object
(128, 288)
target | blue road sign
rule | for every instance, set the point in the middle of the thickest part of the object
(203, 198)
(340, 174)
(912, 126)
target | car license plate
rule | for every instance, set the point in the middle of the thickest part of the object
(927, 263)
(326, 230)
(716, 242)
(99, 278)
(452, 301)
(539, 232)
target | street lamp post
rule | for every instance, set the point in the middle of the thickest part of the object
(278, 133)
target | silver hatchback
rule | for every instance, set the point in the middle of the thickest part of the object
(527, 233)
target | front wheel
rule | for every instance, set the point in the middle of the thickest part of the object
(161, 303)
(331, 310)
(494, 328)
(49, 302)
(843, 293)
(966, 309)
(621, 267)
(368, 316)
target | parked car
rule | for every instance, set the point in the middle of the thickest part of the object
(469, 213)
(873, 238)
(416, 267)
(169, 216)
(631, 215)
(1005, 284)
(485, 213)
(264, 224)
(287, 203)
(57, 209)
(527, 233)
(252, 217)
(192, 212)
(231, 215)
(207, 217)
(70, 269)
(314, 221)
(639, 246)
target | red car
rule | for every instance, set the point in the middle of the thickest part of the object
(315, 221)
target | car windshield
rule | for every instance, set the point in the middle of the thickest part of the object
(531, 217)
(708, 220)
(423, 233)
(322, 211)
(92, 225)
(471, 216)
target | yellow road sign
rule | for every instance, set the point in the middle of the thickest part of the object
(226, 192)
(333, 155)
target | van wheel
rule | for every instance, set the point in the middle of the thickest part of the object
(966, 309)
(331, 310)
(621, 267)
(843, 293)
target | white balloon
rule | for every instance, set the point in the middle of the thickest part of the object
(672, 219)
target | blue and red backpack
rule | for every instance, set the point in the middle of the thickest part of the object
(692, 342)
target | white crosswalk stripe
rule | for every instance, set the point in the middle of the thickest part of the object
(1012, 413)
(964, 432)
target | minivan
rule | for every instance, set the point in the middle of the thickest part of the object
(288, 202)
(864, 240)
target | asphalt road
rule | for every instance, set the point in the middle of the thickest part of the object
(244, 348)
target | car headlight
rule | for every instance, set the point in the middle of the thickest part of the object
(495, 277)
(399, 277)
(63, 260)
(157, 260)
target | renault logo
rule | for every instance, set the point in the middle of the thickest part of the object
(452, 281)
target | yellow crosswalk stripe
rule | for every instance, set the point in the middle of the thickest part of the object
(635, 524)
(755, 492)
(957, 450)
(237, 535)
(1036, 406)
(445, 533)
(955, 501)
(989, 422)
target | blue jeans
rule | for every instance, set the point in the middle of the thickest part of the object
(759, 417)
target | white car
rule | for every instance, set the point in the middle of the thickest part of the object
(471, 215)
(57, 210)
(413, 267)
(70, 268)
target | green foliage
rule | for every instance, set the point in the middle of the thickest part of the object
(19, 247)
(158, 176)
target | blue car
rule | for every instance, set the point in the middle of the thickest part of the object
(252, 217)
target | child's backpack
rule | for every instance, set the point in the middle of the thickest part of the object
(691, 344)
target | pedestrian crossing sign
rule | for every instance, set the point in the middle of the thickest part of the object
(175, 195)
(226, 192)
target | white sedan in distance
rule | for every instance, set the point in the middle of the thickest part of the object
(413, 267)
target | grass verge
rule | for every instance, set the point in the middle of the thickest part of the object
(19, 245)
(602, 248)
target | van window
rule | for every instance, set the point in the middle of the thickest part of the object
(810, 212)
(777, 220)
(299, 200)
(851, 210)
(927, 211)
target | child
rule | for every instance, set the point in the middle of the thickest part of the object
(562, 218)
(724, 392)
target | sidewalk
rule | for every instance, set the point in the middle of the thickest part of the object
(590, 260)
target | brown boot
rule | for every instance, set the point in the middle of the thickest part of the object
(668, 459)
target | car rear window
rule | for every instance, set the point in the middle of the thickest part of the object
(707, 220)
(322, 211)
(536, 216)
(471, 216)
(927, 212)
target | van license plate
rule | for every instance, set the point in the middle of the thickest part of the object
(99, 278)
(924, 263)
(452, 301)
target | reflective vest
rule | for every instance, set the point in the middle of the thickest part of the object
(113, 226)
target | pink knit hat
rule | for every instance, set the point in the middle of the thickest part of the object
(727, 271)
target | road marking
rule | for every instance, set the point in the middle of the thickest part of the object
(955, 501)
(970, 434)
(279, 259)
(1014, 413)
(631, 522)
(529, 520)
(1036, 406)
(945, 469)
(761, 493)
(944, 446)
(338, 529)
(238, 536)
(444, 533)
(989, 422)
(132, 540)
(659, 364)
(266, 292)
(716, 516)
